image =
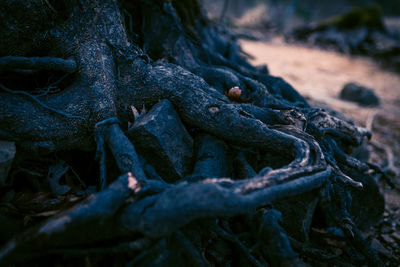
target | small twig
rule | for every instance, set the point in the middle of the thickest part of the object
(53, 85)
(50, 6)
(34, 98)
(345, 178)
(135, 113)
(78, 178)
(370, 120)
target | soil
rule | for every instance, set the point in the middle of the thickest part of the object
(319, 75)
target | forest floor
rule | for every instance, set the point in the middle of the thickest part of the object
(319, 75)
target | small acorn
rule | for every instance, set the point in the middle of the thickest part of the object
(235, 94)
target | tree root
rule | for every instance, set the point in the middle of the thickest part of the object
(237, 243)
(34, 98)
(37, 63)
(336, 208)
(116, 75)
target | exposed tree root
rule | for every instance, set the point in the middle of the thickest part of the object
(37, 63)
(191, 65)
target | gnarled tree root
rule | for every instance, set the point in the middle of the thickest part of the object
(105, 216)
(113, 75)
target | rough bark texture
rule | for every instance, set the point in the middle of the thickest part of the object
(108, 60)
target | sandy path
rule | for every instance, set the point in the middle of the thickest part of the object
(320, 75)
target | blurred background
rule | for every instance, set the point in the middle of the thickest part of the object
(284, 15)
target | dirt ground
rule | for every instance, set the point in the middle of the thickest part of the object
(319, 76)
